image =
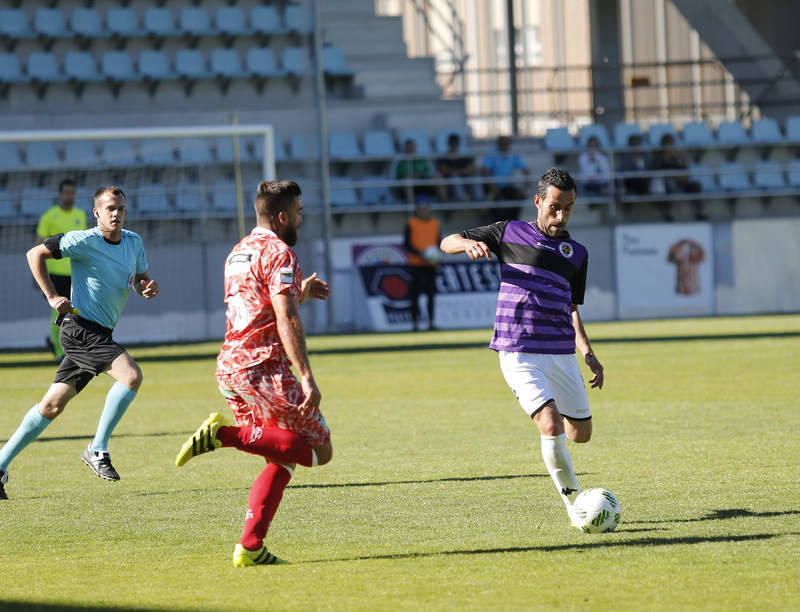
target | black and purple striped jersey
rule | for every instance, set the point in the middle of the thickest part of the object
(540, 279)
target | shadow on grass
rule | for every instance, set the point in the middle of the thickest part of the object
(31, 606)
(601, 541)
(720, 515)
(47, 361)
(157, 434)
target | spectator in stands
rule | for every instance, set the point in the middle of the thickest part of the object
(501, 164)
(635, 160)
(60, 219)
(410, 168)
(421, 240)
(594, 169)
(667, 158)
(456, 166)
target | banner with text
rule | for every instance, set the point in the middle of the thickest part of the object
(665, 270)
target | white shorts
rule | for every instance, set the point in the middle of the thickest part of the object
(536, 379)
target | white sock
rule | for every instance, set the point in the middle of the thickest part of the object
(559, 463)
(314, 460)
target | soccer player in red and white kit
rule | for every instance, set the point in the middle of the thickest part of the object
(277, 414)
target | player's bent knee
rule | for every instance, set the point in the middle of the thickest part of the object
(324, 453)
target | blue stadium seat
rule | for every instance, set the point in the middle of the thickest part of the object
(86, 23)
(10, 70)
(152, 198)
(121, 21)
(298, 19)
(769, 175)
(441, 136)
(14, 24)
(343, 192)
(43, 67)
(190, 197)
(255, 147)
(559, 139)
(223, 195)
(265, 20)
(731, 133)
(194, 151)
(224, 149)
(598, 130)
(194, 21)
(376, 195)
(295, 61)
(302, 146)
(154, 65)
(6, 204)
(704, 175)
(420, 137)
(190, 63)
(793, 129)
(79, 66)
(793, 172)
(379, 143)
(118, 153)
(226, 63)
(766, 131)
(9, 153)
(158, 22)
(41, 155)
(334, 63)
(117, 66)
(230, 20)
(733, 177)
(656, 132)
(35, 200)
(697, 133)
(80, 153)
(157, 152)
(49, 23)
(262, 63)
(623, 131)
(343, 145)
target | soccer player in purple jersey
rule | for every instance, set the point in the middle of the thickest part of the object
(537, 326)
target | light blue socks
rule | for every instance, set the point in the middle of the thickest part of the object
(117, 401)
(33, 423)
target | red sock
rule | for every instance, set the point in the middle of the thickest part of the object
(262, 503)
(273, 443)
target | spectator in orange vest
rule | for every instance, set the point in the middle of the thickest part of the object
(422, 237)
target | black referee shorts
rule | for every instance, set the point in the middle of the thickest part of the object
(89, 350)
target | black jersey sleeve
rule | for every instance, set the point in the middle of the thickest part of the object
(52, 244)
(578, 282)
(490, 234)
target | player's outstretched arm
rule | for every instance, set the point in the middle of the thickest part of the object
(456, 243)
(37, 257)
(145, 286)
(293, 338)
(582, 342)
(313, 287)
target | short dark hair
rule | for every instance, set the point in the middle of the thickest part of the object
(67, 182)
(274, 197)
(558, 178)
(116, 192)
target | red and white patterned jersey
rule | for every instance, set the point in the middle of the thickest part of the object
(259, 267)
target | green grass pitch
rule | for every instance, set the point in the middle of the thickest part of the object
(437, 497)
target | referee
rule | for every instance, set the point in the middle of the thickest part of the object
(59, 219)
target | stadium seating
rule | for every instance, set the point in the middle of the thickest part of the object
(261, 64)
(86, 23)
(13, 26)
(264, 20)
(298, 19)
(303, 147)
(223, 195)
(9, 153)
(118, 153)
(121, 22)
(117, 68)
(41, 155)
(195, 21)
(733, 177)
(190, 64)
(80, 153)
(296, 62)
(793, 173)
(79, 67)
(152, 198)
(158, 22)
(793, 129)
(376, 195)
(703, 174)
(597, 130)
(769, 175)
(190, 197)
(195, 151)
(230, 21)
(6, 204)
(223, 145)
(43, 68)
(559, 139)
(157, 152)
(49, 24)
(420, 137)
(697, 133)
(441, 136)
(226, 64)
(10, 69)
(657, 131)
(732, 133)
(34, 201)
(343, 192)
(623, 131)
(343, 145)
(766, 131)
(378, 143)
(334, 63)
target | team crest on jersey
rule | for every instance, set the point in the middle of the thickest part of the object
(287, 276)
(565, 248)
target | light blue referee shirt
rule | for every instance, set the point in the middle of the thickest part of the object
(102, 272)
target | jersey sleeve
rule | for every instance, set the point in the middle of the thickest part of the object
(283, 274)
(73, 244)
(51, 243)
(490, 234)
(578, 282)
(141, 260)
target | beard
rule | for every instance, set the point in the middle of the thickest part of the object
(290, 236)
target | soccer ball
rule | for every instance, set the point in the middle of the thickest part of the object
(596, 511)
(432, 254)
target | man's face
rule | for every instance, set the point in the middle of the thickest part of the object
(294, 219)
(110, 212)
(66, 197)
(554, 210)
(504, 144)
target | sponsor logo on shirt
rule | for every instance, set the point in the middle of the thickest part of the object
(565, 248)
(287, 276)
